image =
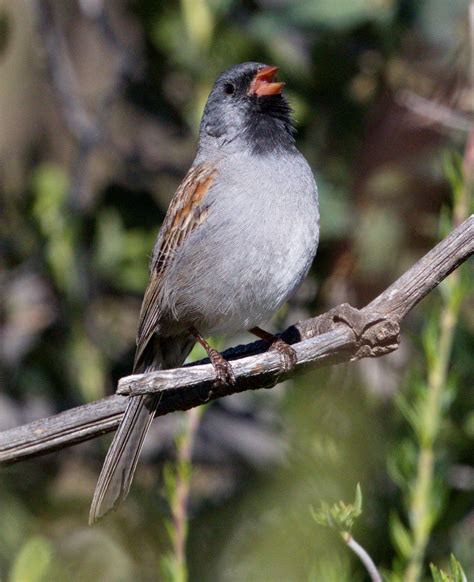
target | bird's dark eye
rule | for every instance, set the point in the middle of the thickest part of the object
(229, 88)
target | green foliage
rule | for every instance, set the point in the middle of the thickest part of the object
(121, 254)
(171, 569)
(456, 573)
(341, 516)
(32, 562)
(401, 537)
(57, 225)
(415, 461)
(453, 171)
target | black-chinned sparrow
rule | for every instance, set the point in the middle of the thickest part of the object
(239, 236)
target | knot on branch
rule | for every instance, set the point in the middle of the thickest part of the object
(379, 338)
(375, 334)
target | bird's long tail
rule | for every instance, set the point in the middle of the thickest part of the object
(121, 461)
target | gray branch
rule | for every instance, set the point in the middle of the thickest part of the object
(342, 334)
(89, 130)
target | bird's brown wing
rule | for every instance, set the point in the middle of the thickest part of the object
(186, 211)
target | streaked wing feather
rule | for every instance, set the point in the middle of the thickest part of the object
(185, 213)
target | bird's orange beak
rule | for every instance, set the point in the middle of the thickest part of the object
(264, 83)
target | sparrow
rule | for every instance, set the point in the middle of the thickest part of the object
(238, 238)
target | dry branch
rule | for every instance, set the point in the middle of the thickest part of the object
(89, 130)
(340, 335)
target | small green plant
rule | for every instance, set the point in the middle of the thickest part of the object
(417, 462)
(455, 575)
(341, 517)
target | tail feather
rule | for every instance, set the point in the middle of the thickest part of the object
(122, 457)
(121, 461)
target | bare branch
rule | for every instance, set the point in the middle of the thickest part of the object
(435, 113)
(340, 335)
(89, 130)
(79, 122)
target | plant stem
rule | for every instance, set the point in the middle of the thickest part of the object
(179, 506)
(364, 557)
(420, 507)
(421, 510)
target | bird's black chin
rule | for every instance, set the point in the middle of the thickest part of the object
(269, 125)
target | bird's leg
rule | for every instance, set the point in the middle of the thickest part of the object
(222, 368)
(287, 353)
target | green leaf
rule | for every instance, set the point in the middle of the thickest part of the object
(169, 479)
(120, 254)
(50, 185)
(32, 562)
(429, 338)
(456, 573)
(340, 516)
(401, 462)
(453, 170)
(358, 500)
(58, 226)
(400, 536)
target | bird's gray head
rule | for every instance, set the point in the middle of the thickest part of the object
(246, 108)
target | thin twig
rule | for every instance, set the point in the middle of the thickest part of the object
(341, 335)
(179, 501)
(89, 130)
(78, 120)
(434, 112)
(364, 557)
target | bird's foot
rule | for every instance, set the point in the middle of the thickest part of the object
(222, 368)
(287, 353)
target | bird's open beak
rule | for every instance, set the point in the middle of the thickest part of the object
(263, 83)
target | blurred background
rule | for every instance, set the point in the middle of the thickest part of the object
(100, 104)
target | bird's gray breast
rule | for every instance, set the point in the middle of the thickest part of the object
(253, 250)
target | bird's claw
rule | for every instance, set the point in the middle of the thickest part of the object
(222, 368)
(287, 354)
